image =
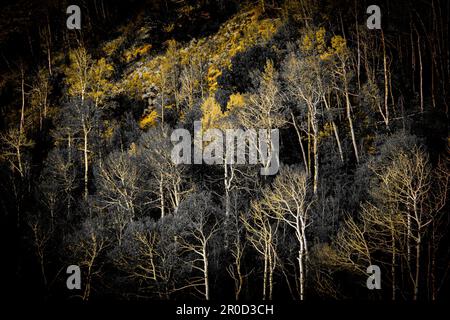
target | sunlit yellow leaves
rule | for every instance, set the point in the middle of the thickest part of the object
(320, 40)
(169, 27)
(269, 71)
(135, 53)
(88, 78)
(100, 74)
(211, 114)
(112, 46)
(77, 72)
(213, 74)
(307, 42)
(150, 120)
(236, 101)
(267, 28)
(316, 43)
(339, 44)
(241, 32)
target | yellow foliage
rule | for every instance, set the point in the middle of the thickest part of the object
(236, 100)
(320, 40)
(242, 31)
(169, 28)
(100, 73)
(76, 73)
(213, 74)
(211, 114)
(150, 120)
(111, 47)
(132, 54)
(307, 42)
(338, 47)
(269, 71)
(316, 43)
(339, 44)
(326, 55)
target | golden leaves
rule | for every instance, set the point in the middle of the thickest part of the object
(213, 74)
(212, 114)
(315, 43)
(235, 101)
(149, 120)
(135, 53)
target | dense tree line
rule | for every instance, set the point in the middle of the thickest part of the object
(87, 176)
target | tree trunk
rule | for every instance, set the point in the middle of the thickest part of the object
(300, 266)
(393, 262)
(19, 160)
(316, 163)
(315, 129)
(161, 195)
(271, 264)
(300, 142)
(265, 272)
(86, 164)
(336, 133)
(205, 271)
(22, 111)
(417, 277)
(420, 71)
(386, 82)
(349, 116)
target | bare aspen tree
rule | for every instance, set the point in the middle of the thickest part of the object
(88, 244)
(61, 173)
(173, 64)
(342, 73)
(14, 142)
(305, 83)
(45, 35)
(385, 233)
(264, 110)
(138, 254)
(151, 256)
(235, 269)
(287, 200)
(261, 233)
(201, 226)
(119, 189)
(155, 149)
(22, 109)
(237, 248)
(41, 237)
(407, 181)
(352, 248)
(39, 95)
(84, 118)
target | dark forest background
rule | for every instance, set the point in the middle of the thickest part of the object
(86, 176)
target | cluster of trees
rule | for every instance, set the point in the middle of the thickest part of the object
(363, 119)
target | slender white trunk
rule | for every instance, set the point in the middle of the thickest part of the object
(205, 271)
(86, 164)
(161, 195)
